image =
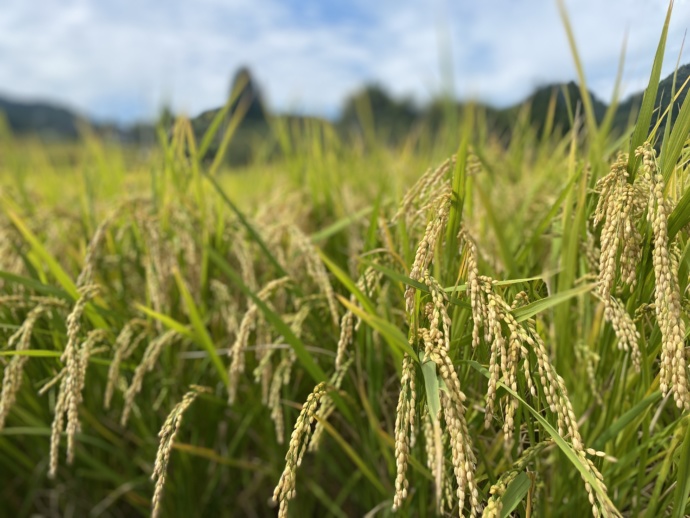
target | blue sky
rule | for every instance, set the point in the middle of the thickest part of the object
(123, 59)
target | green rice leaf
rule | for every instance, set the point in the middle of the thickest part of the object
(354, 456)
(33, 353)
(60, 275)
(516, 492)
(392, 334)
(677, 139)
(248, 226)
(169, 322)
(35, 285)
(404, 279)
(433, 396)
(213, 128)
(339, 225)
(200, 332)
(233, 124)
(523, 313)
(644, 118)
(590, 118)
(347, 282)
(680, 215)
(509, 282)
(624, 421)
(680, 495)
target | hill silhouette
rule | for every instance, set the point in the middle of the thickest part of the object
(248, 108)
(391, 118)
(567, 98)
(43, 119)
(663, 98)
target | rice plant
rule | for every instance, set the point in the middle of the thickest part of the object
(449, 328)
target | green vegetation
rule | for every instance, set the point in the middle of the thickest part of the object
(440, 323)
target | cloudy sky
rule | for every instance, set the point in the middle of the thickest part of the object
(123, 59)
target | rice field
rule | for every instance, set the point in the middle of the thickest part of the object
(454, 326)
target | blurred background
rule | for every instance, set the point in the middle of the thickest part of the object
(123, 65)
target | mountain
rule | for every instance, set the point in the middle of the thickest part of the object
(253, 125)
(625, 112)
(43, 119)
(567, 100)
(631, 106)
(371, 108)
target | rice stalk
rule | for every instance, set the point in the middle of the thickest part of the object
(76, 358)
(494, 505)
(453, 412)
(349, 323)
(13, 372)
(328, 405)
(429, 186)
(667, 299)
(247, 325)
(426, 247)
(505, 354)
(148, 362)
(299, 440)
(123, 346)
(316, 269)
(404, 430)
(166, 437)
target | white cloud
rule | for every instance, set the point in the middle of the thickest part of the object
(123, 59)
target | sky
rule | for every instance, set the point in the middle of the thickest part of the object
(122, 60)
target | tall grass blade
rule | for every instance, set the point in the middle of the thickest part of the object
(644, 118)
(680, 495)
(217, 121)
(516, 492)
(393, 336)
(200, 332)
(677, 139)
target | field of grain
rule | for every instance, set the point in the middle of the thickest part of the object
(453, 326)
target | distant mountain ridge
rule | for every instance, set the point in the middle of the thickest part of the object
(625, 111)
(45, 119)
(394, 115)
